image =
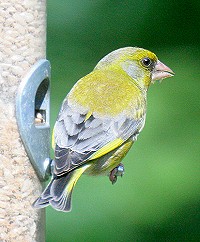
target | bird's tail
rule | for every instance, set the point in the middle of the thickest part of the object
(59, 191)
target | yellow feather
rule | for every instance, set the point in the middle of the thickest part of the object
(76, 175)
(101, 94)
(114, 160)
(89, 114)
(107, 148)
(53, 140)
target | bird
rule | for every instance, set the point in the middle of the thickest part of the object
(99, 121)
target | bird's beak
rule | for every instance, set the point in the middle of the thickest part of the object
(161, 71)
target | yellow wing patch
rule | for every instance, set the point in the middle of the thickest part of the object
(107, 148)
(89, 114)
(76, 175)
(53, 140)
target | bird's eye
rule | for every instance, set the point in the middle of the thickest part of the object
(146, 62)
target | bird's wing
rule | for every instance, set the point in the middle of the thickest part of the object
(79, 137)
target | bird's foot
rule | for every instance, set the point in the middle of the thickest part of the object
(117, 171)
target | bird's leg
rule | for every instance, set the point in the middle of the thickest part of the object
(117, 171)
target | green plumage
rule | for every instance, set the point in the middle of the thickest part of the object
(99, 121)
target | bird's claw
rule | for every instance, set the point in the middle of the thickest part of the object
(117, 171)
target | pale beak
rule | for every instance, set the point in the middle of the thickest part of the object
(161, 71)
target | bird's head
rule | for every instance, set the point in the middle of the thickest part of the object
(141, 65)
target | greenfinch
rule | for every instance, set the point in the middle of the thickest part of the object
(100, 120)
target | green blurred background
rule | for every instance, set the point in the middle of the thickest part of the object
(158, 199)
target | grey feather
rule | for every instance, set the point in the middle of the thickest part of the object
(56, 194)
(77, 139)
